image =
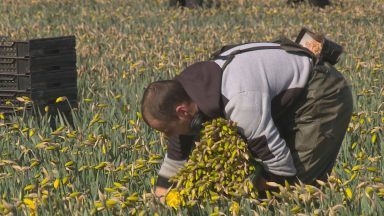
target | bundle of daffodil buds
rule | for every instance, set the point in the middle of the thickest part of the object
(220, 166)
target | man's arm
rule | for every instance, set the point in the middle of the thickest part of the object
(168, 169)
(177, 155)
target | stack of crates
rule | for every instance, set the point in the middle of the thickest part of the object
(41, 70)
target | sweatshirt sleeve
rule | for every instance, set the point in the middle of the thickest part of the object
(251, 110)
(178, 150)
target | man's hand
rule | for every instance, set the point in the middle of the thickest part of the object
(160, 192)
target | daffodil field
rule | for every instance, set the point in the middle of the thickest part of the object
(107, 163)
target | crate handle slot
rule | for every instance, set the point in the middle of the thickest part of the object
(7, 78)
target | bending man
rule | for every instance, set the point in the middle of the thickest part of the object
(292, 112)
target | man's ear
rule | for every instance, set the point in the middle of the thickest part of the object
(182, 111)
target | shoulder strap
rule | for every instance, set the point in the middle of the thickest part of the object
(232, 55)
(285, 44)
(216, 55)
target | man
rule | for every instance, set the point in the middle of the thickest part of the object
(292, 109)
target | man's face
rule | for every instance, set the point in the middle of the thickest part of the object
(178, 126)
(172, 128)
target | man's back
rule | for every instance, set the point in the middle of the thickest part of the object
(268, 71)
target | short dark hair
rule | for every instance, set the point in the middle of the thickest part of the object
(160, 99)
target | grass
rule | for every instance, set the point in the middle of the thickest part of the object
(108, 162)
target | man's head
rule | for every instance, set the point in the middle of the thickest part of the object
(166, 107)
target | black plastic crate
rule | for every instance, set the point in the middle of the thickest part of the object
(46, 75)
(52, 63)
(38, 107)
(52, 46)
(52, 94)
(59, 84)
(40, 69)
(7, 110)
(53, 107)
(15, 82)
(14, 49)
(59, 69)
(8, 99)
(53, 80)
(14, 65)
(42, 81)
(38, 47)
(37, 64)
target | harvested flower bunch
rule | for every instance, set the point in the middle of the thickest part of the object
(219, 166)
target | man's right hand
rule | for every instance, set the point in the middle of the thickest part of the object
(161, 192)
